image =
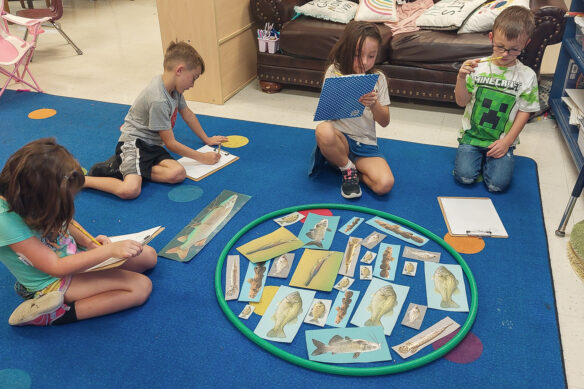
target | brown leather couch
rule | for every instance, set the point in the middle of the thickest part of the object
(420, 65)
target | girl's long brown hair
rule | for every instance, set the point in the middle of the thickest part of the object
(40, 182)
(351, 43)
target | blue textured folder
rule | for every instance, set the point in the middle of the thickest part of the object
(339, 98)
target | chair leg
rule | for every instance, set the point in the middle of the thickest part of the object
(576, 192)
(58, 27)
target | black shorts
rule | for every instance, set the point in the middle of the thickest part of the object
(138, 157)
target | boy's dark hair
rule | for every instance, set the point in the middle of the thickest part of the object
(515, 22)
(39, 182)
(351, 43)
(182, 52)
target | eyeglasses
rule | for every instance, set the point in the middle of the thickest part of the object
(502, 49)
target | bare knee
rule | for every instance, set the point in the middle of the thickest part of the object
(383, 186)
(324, 134)
(141, 288)
(177, 175)
(129, 192)
(150, 258)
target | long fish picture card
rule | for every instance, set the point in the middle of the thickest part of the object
(372, 239)
(421, 255)
(285, 314)
(291, 218)
(347, 345)
(317, 270)
(398, 231)
(318, 231)
(381, 305)
(342, 308)
(270, 246)
(436, 332)
(445, 287)
(351, 225)
(255, 280)
(232, 278)
(184, 246)
(386, 262)
(350, 257)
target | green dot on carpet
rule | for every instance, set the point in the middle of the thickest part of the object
(185, 193)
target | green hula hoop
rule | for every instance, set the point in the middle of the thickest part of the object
(332, 369)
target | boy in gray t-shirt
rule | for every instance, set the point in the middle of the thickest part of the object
(148, 127)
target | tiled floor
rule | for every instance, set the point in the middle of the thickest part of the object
(123, 51)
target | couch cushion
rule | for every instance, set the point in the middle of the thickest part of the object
(341, 11)
(312, 38)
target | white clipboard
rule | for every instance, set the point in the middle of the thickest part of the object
(472, 216)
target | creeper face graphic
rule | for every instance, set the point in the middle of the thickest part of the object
(491, 110)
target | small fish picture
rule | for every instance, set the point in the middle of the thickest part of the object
(351, 225)
(421, 255)
(282, 265)
(270, 246)
(445, 287)
(285, 314)
(436, 332)
(254, 281)
(414, 316)
(289, 219)
(410, 268)
(232, 278)
(350, 257)
(398, 231)
(318, 312)
(386, 262)
(372, 239)
(368, 257)
(342, 308)
(347, 345)
(381, 305)
(365, 273)
(317, 270)
(344, 283)
(246, 312)
(318, 231)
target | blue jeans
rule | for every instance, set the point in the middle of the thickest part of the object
(472, 160)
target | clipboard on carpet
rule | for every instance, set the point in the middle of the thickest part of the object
(472, 216)
(196, 170)
(339, 98)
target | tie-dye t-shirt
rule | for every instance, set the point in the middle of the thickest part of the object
(497, 94)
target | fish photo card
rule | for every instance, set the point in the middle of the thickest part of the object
(318, 312)
(192, 238)
(421, 255)
(351, 225)
(268, 294)
(436, 332)
(342, 308)
(398, 231)
(254, 281)
(350, 257)
(445, 287)
(281, 266)
(289, 219)
(246, 312)
(318, 231)
(368, 257)
(410, 268)
(270, 246)
(366, 272)
(414, 316)
(373, 239)
(232, 278)
(344, 283)
(380, 305)
(387, 261)
(347, 345)
(285, 314)
(317, 270)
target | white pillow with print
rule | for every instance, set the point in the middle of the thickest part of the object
(483, 18)
(447, 14)
(341, 11)
(376, 11)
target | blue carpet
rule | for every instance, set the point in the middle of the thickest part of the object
(181, 338)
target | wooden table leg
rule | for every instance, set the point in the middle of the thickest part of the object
(6, 7)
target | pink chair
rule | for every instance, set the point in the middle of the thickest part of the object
(16, 53)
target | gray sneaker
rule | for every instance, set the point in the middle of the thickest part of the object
(350, 188)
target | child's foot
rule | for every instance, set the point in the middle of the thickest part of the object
(350, 188)
(108, 168)
(39, 312)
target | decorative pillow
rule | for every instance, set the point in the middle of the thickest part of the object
(341, 11)
(483, 18)
(447, 14)
(376, 11)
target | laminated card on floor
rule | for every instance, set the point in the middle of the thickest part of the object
(472, 216)
(196, 170)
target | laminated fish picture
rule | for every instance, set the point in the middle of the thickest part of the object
(398, 231)
(318, 312)
(281, 266)
(386, 261)
(410, 268)
(368, 257)
(285, 314)
(270, 246)
(347, 345)
(381, 305)
(414, 316)
(342, 308)
(445, 287)
(373, 239)
(350, 257)
(434, 333)
(351, 225)
(344, 283)
(317, 269)
(365, 272)
(254, 281)
(421, 255)
(191, 239)
(246, 312)
(289, 219)
(232, 278)
(318, 231)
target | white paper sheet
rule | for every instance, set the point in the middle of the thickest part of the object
(197, 170)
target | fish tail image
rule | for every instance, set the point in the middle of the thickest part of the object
(179, 250)
(449, 304)
(320, 347)
(276, 333)
(315, 243)
(373, 323)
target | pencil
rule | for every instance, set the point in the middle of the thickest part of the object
(219, 148)
(490, 59)
(78, 226)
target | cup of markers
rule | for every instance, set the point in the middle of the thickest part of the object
(268, 39)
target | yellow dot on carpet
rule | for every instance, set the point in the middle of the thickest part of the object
(267, 296)
(465, 244)
(235, 141)
(42, 113)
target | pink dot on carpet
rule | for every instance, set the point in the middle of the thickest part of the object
(324, 212)
(467, 351)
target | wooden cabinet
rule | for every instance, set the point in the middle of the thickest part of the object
(223, 33)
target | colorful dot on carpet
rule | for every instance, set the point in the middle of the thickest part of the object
(235, 141)
(84, 170)
(42, 113)
(185, 193)
(465, 244)
(267, 296)
(14, 379)
(467, 351)
(323, 212)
